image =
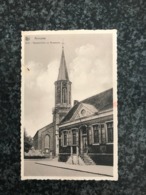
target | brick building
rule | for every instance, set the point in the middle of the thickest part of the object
(86, 132)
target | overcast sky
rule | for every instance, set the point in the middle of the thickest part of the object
(89, 59)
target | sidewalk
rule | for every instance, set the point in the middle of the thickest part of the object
(94, 169)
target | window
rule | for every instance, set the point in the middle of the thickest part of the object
(103, 135)
(47, 141)
(69, 138)
(65, 138)
(74, 137)
(83, 112)
(64, 95)
(110, 131)
(96, 133)
(58, 94)
(84, 130)
(90, 135)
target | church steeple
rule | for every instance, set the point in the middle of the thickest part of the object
(63, 73)
(62, 90)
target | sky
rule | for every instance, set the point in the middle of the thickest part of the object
(89, 59)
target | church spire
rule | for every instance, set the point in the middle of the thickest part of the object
(63, 73)
(62, 91)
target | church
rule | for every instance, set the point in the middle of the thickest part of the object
(82, 134)
(46, 139)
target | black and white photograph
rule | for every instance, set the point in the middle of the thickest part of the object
(69, 105)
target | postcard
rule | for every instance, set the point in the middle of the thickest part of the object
(69, 105)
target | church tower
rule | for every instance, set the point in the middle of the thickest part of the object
(62, 91)
(62, 98)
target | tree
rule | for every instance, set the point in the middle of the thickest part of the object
(27, 141)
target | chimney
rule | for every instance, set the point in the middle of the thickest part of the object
(75, 102)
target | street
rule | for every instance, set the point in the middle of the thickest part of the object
(33, 169)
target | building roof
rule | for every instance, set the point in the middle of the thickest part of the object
(89, 107)
(102, 101)
(43, 128)
(63, 73)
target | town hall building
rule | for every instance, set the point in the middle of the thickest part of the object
(82, 134)
(86, 132)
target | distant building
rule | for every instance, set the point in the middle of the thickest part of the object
(82, 134)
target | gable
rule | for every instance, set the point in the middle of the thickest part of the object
(83, 110)
(97, 103)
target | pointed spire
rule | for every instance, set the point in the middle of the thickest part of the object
(63, 73)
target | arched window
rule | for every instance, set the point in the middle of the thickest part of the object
(58, 95)
(64, 95)
(47, 141)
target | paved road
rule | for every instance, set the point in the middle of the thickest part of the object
(33, 169)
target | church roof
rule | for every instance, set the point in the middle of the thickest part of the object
(63, 73)
(43, 129)
(102, 101)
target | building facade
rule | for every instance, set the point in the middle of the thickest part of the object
(86, 132)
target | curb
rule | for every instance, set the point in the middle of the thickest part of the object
(74, 169)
